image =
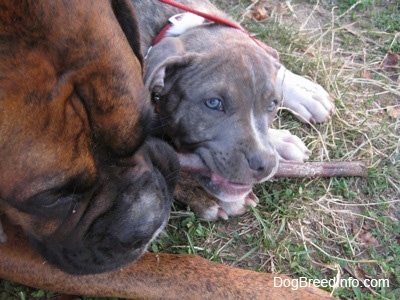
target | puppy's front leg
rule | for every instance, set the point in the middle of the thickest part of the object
(189, 192)
(288, 146)
(308, 100)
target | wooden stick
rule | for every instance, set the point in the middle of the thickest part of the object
(290, 169)
(322, 169)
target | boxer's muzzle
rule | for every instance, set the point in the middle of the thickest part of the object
(112, 223)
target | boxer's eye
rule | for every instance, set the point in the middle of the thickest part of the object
(272, 106)
(214, 104)
(61, 201)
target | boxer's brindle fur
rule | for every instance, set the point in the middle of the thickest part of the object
(79, 174)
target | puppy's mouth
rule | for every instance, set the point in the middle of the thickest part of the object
(230, 185)
(219, 186)
(192, 163)
(213, 182)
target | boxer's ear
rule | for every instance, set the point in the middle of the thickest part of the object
(168, 53)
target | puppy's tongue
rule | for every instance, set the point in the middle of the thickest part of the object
(191, 162)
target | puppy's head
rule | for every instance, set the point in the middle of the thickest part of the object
(78, 172)
(216, 90)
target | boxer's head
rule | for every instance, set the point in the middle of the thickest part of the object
(77, 170)
(216, 90)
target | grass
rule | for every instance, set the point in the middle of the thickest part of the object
(317, 228)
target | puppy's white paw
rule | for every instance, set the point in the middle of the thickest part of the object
(224, 209)
(213, 213)
(239, 207)
(288, 146)
(307, 99)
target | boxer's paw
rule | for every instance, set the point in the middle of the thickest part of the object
(288, 146)
(309, 101)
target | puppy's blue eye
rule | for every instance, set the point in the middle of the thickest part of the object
(272, 106)
(214, 104)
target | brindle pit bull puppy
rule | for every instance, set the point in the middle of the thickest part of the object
(78, 172)
(217, 91)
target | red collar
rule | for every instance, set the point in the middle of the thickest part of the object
(206, 16)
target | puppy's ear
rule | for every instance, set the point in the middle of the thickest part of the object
(169, 52)
(272, 52)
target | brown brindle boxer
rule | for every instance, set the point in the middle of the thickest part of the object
(78, 172)
(153, 276)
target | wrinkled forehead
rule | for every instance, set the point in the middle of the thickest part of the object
(238, 74)
(232, 55)
(249, 67)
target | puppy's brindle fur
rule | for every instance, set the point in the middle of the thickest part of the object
(213, 63)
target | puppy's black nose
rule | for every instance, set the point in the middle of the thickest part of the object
(262, 164)
(256, 163)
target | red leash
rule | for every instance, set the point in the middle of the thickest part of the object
(206, 16)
